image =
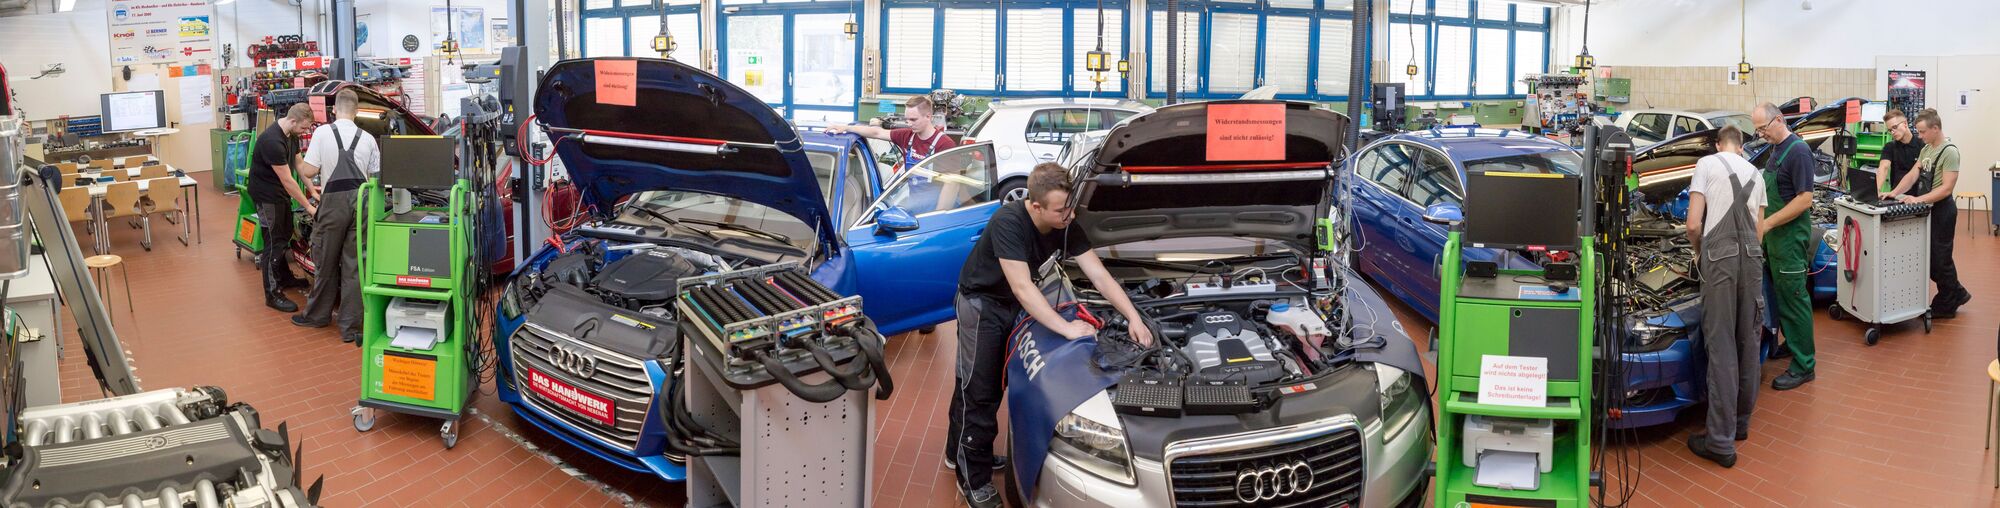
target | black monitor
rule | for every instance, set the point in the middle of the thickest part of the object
(133, 111)
(419, 162)
(1533, 211)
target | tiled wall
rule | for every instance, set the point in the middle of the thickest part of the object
(1708, 87)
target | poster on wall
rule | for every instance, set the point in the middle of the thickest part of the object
(158, 31)
(1906, 91)
(503, 35)
(364, 46)
(466, 24)
(197, 99)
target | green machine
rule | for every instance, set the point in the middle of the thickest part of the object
(418, 344)
(1515, 347)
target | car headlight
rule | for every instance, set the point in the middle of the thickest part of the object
(1094, 447)
(1400, 402)
(1648, 337)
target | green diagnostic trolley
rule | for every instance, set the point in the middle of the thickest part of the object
(1514, 355)
(417, 344)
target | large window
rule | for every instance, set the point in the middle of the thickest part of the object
(1466, 49)
(1017, 48)
(1228, 47)
(627, 28)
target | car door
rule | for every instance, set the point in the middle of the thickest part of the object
(1435, 183)
(1379, 176)
(907, 278)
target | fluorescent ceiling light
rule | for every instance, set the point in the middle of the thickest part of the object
(224, 2)
(66, 6)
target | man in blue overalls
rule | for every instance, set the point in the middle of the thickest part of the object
(1725, 204)
(925, 135)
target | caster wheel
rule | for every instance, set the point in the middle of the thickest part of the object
(927, 330)
(1927, 323)
(364, 421)
(450, 440)
(1834, 311)
(1873, 336)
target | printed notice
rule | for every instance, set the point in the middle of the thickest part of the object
(1246, 132)
(618, 82)
(1513, 380)
(409, 376)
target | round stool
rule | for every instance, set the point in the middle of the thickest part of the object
(1969, 197)
(100, 275)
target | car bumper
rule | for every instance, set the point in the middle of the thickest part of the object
(1664, 381)
(645, 461)
(1395, 476)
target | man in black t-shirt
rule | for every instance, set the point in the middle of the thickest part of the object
(272, 189)
(1899, 154)
(996, 285)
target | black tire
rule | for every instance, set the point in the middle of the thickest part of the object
(927, 330)
(1927, 323)
(1011, 187)
(1873, 336)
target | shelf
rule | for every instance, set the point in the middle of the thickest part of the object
(1561, 484)
(426, 294)
(1560, 408)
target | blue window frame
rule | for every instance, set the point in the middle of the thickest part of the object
(627, 27)
(793, 55)
(998, 49)
(1462, 47)
(1231, 47)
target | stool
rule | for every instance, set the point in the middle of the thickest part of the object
(1969, 197)
(100, 275)
(1993, 372)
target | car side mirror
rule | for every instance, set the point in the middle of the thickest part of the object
(894, 220)
(1444, 213)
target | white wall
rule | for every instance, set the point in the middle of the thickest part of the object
(1835, 33)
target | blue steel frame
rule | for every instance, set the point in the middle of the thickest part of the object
(1429, 22)
(1263, 11)
(1071, 87)
(791, 10)
(626, 13)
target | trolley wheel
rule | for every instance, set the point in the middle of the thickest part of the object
(1834, 311)
(450, 437)
(1927, 323)
(364, 420)
(1873, 336)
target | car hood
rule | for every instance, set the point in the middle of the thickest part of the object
(1664, 168)
(688, 130)
(1151, 178)
(377, 113)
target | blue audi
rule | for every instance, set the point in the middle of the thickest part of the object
(693, 175)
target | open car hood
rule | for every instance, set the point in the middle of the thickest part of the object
(377, 114)
(688, 131)
(1151, 178)
(1665, 168)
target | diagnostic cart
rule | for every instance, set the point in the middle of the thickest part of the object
(1885, 264)
(417, 286)
(1514, 349)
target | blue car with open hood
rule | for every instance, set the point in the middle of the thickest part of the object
(699, 176)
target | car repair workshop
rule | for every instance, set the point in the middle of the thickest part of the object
(987, 253)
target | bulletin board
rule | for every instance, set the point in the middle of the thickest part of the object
(75, 40)
(156, 32)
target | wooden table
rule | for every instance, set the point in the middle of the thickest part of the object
(190, 191)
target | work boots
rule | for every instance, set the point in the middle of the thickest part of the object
(279, 302)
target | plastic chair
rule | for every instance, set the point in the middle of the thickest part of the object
(1969, 197)
(68, 168)
(76, 205)
(101, 165)
(168, 204)
(122, 200)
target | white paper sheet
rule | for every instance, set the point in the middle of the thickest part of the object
(197, 100)
(142, 82)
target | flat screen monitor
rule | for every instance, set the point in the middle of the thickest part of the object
(1533, 211)
(1874, 111)
(133, 111)
(419, 162)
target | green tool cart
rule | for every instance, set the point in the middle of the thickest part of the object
(417, 343)
(1498, 445)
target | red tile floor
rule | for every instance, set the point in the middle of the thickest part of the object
(1898, 424)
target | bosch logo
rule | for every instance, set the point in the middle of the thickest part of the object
(573, 360)
(1218, 319)
(1273, 483)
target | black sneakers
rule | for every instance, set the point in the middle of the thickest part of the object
(983, 497)
(279, 302)
(300, 320)
(1699, 445)
(1790, 380)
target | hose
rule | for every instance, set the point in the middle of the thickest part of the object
(812, 392)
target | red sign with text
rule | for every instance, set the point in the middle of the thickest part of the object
(408, 280)
(618, 82)
(569, 397)
(1246, 132)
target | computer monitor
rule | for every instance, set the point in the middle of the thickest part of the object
(1874, 111)
(419, 162)
(133, 111)
(1533, 211)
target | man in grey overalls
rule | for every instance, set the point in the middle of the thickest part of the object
(353, 156)
(1726, 199)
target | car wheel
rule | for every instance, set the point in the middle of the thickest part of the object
(1014, 189)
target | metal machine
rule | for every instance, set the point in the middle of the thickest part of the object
(1885, 264)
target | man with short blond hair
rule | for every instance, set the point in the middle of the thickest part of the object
(924, 137)
(1725, 202)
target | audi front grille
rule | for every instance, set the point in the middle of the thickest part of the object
(1318, 464)
(612, 375)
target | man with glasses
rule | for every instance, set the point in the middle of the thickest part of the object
(1933, 181)
(1899, 154)
(1788, 187)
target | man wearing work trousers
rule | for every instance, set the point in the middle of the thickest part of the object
(1788, 181)
(1933, 182)
(273, 190)
(1725, 206)
(352, 156)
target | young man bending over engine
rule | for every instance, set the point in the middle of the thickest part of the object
(996, 285)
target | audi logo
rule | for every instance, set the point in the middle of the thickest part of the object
(1220, 318)
(573, 361)
(1273, 482)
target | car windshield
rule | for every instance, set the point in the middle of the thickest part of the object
(1742, 122)
(702, 207)
(1554, 161)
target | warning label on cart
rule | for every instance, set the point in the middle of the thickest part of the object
(569, 397)
(409, 376)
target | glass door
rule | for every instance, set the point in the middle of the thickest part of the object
(795, 56)
(756, 56)
(823, 74)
